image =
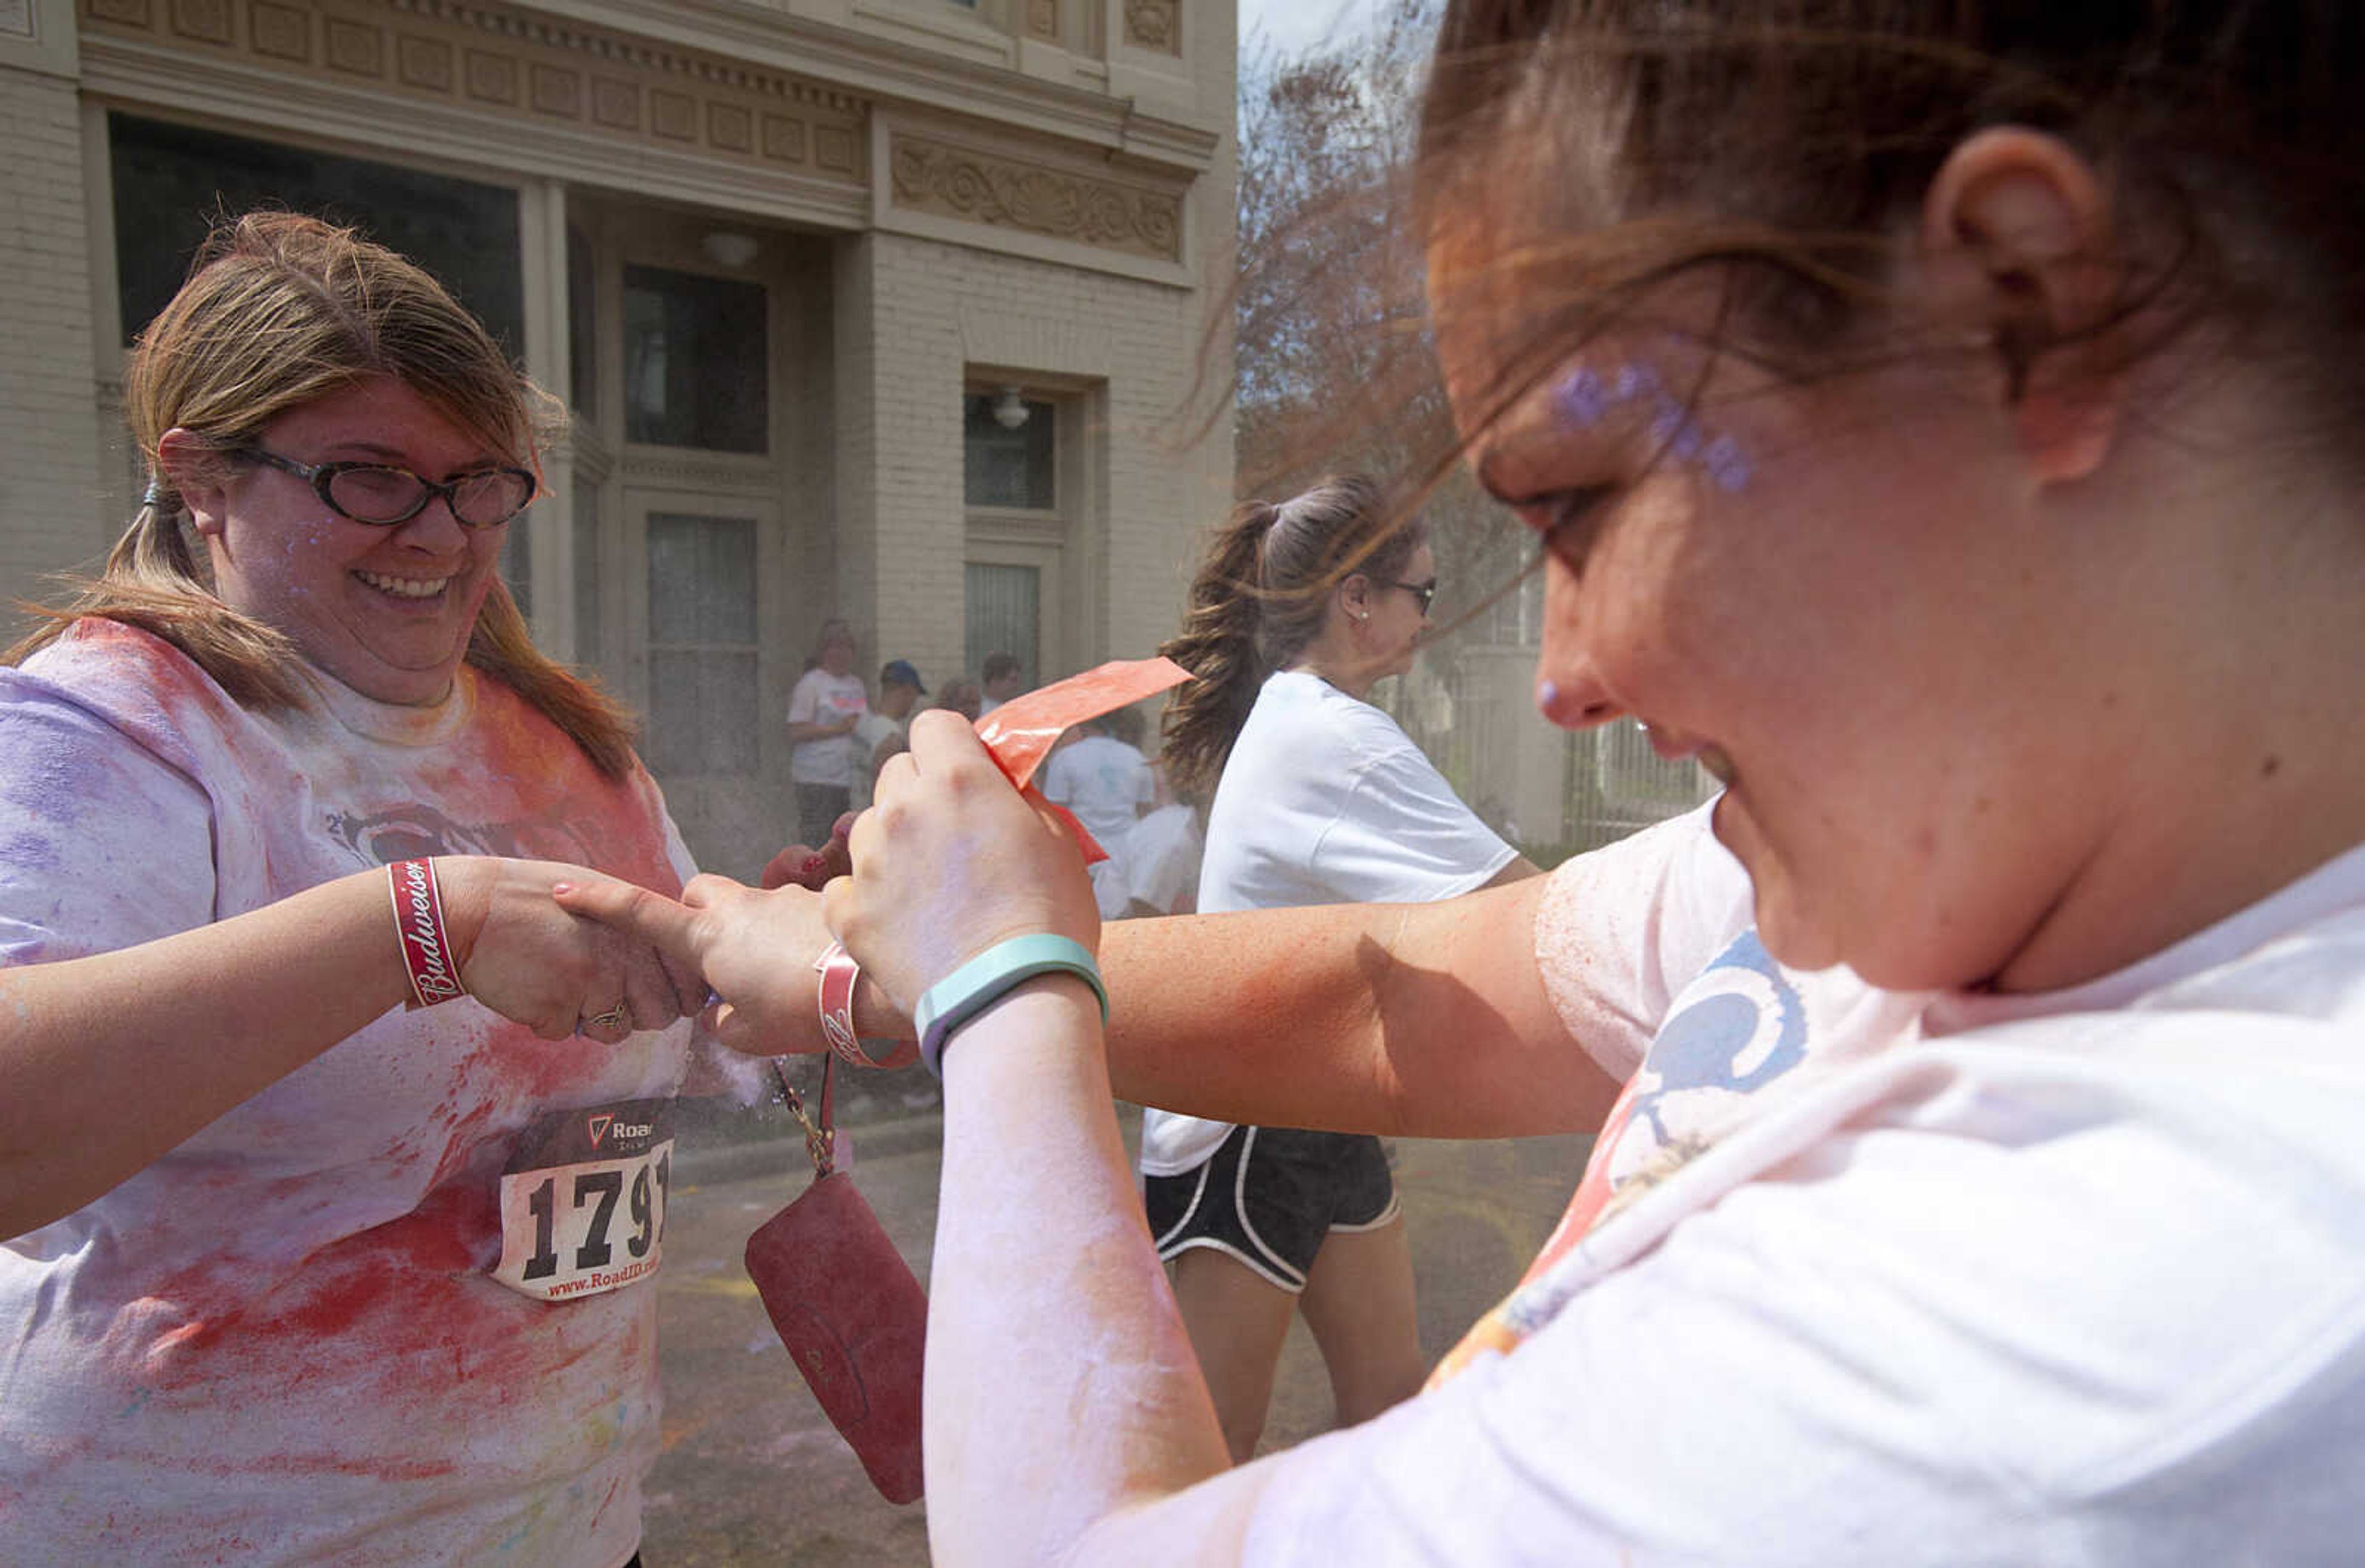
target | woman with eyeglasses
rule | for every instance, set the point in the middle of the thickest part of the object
(1298, 609)
(335, 1158)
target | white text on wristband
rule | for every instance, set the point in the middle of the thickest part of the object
(839, 973)
(419, 926)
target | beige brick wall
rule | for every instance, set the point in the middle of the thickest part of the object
(50, 456)
(938, 309)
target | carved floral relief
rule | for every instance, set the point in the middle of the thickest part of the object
(958, 183)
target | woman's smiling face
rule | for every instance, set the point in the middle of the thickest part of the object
(1832, 596)
(388, 611)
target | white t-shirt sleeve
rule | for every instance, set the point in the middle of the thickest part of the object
(103, 843)
(1622, 930)
(1402, 836)
(805, 699)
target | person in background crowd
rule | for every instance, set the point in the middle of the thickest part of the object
(1939, 423)
(961, 695)
(826, 705)
(1164, 850)
(1298, 609)
(1109, 785)
(299, 1267)
(880, 735)
(999, 678)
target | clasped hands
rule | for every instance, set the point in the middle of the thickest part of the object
(949, 860)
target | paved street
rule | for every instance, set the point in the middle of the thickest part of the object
(752, 1474)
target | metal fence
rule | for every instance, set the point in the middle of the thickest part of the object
(1554, 793)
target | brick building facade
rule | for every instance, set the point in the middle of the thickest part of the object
(880, 309)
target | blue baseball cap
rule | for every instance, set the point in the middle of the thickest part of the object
(901, 673)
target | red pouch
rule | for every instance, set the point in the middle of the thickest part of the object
(848, 1307)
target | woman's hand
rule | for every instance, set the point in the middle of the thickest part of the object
(950, 861)
(754, 947)
(534, 963)
(812, 868)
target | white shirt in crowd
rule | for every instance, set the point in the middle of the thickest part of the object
(823, 697)
(1104, 781)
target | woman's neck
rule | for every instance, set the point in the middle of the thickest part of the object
(1354, 683)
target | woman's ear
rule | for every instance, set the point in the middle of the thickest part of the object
(2020, 220)
(1355, 595)
(196, 472)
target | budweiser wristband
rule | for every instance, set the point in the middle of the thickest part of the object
(419, 926)
(838, 974)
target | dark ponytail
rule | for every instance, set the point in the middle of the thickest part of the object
(1217, 646)
(1262, 594)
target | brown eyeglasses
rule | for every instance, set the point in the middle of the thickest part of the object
(383, 496)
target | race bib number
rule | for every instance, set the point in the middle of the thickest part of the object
(583, 1200)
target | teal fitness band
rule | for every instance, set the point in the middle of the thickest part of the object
(988, 978)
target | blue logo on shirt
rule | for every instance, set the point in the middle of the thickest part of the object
(1737, 1029)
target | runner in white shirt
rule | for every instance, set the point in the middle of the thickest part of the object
(1939, 423)
(1109, 785)
(1298, 609)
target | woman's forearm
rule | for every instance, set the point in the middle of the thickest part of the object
(109, 1062)
(1424, 1020)
(1061, 1386)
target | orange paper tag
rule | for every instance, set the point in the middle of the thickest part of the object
(1020, 734)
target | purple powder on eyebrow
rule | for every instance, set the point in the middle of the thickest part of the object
(1578, 398)
(1635, 381)
(1726, 465)
(1687, 441)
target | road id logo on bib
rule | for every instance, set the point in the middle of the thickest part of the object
(583, 1200)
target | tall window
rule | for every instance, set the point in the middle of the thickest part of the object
(590, 629)
(172, 180)
(695, 361)
(1009, 452)
(582, 325)
(703, 706)
(1004, 615)
(1010, 466)
(517, 564)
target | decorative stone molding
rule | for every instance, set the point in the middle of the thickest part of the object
(1043, 19)
(205, 20)
(1154, 24)
(282, 32)
(752, 476)
(494, 59)
(955, 182)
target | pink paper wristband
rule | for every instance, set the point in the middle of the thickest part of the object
(838, 974)
(419, 926)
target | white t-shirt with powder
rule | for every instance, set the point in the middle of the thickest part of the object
(1324, 799)
(1869, 1277)
(281, 1343)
